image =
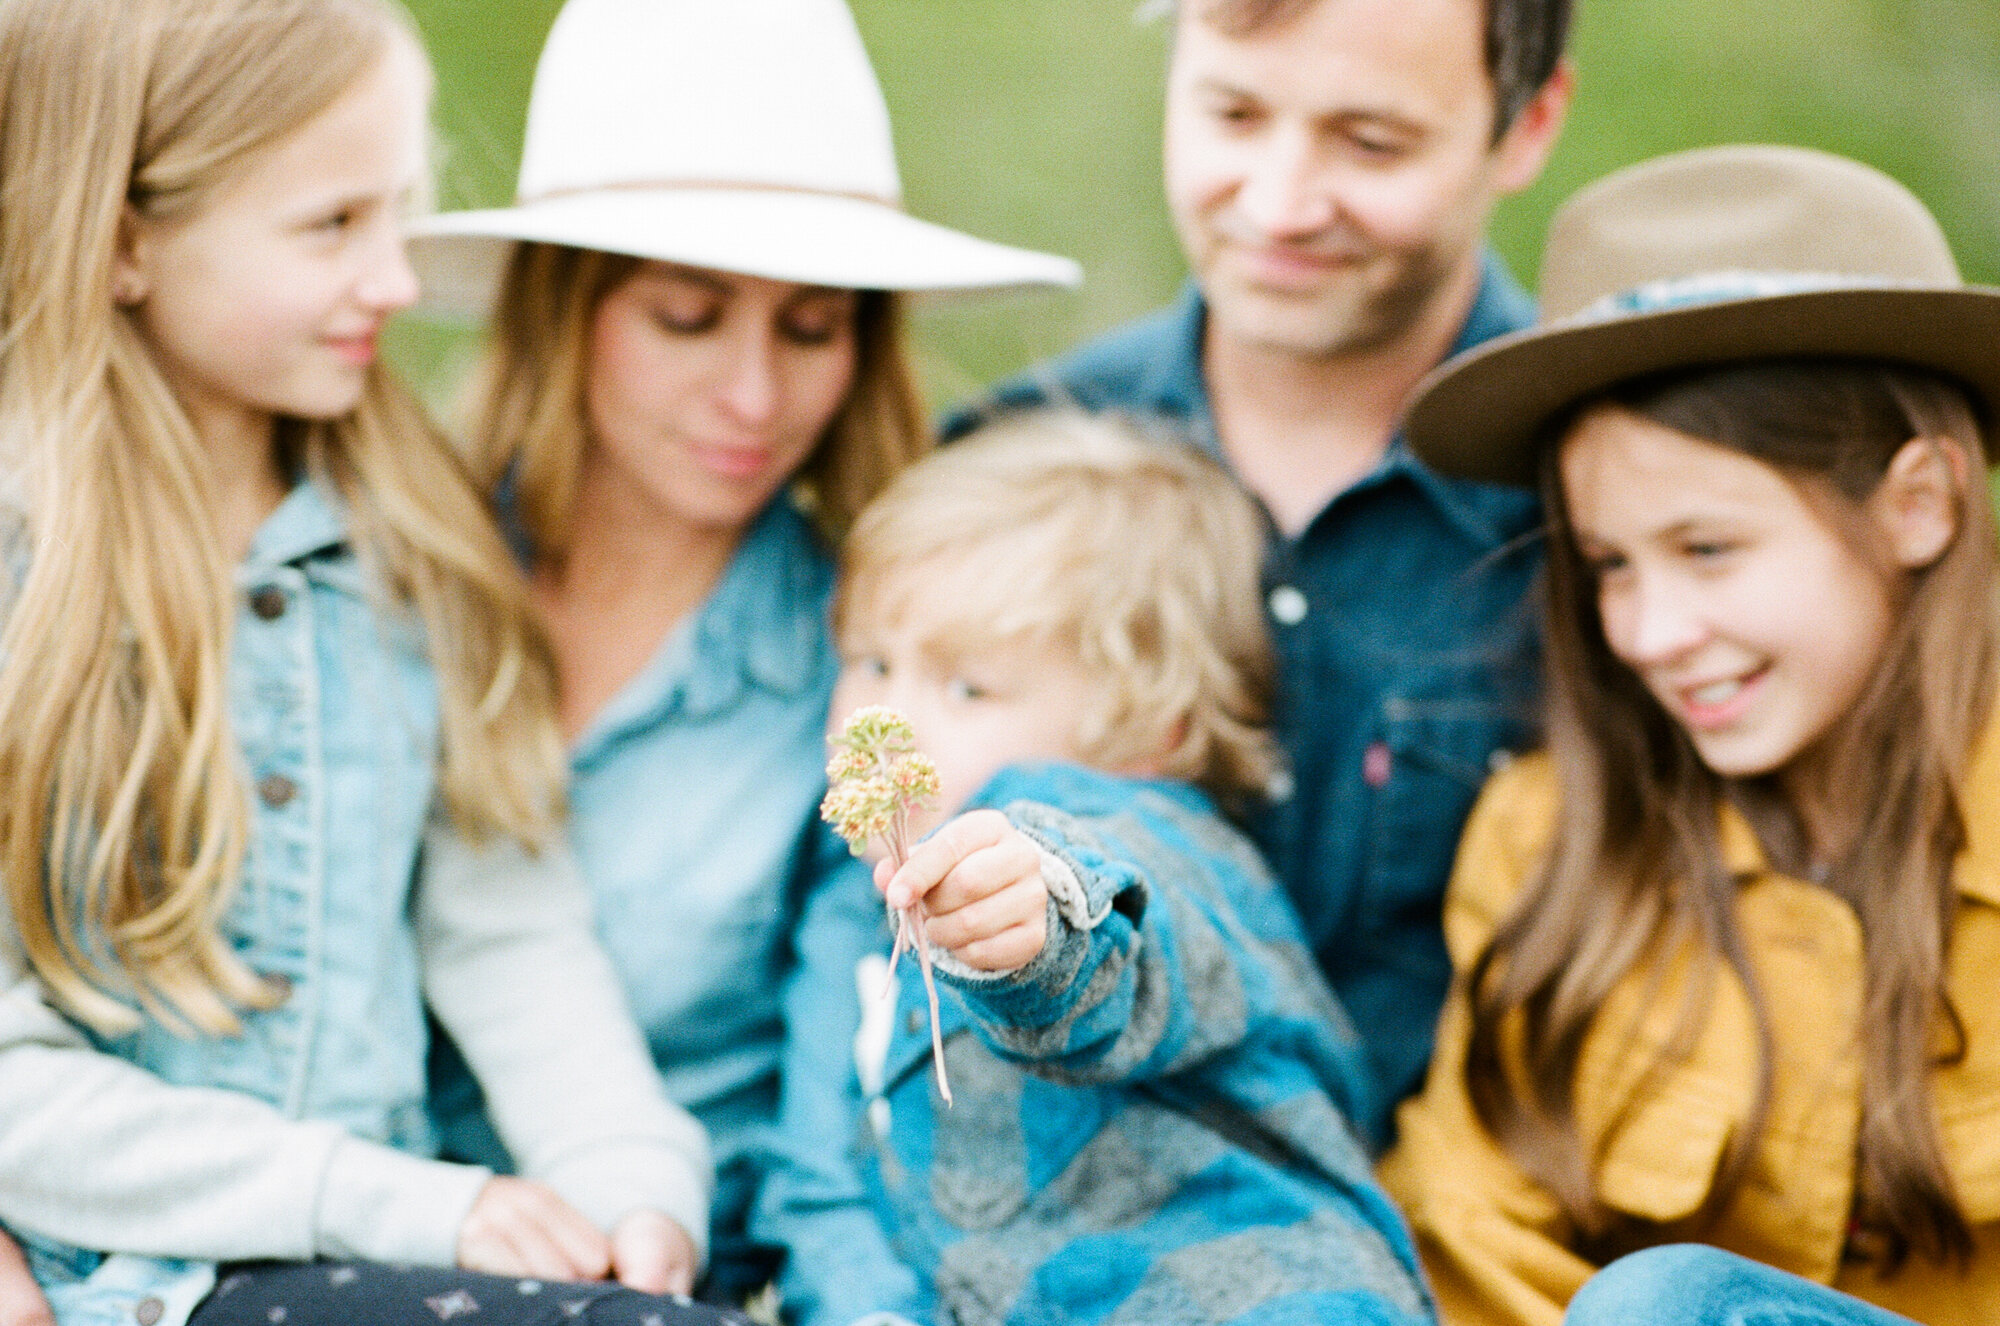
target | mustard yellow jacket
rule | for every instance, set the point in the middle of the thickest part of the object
(1495, 1243)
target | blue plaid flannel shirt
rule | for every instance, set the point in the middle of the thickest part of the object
(1151, 1119)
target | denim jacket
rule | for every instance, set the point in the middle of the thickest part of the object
(318, 1144)
(1406, 670)
(335, 707)
(1150, 1117)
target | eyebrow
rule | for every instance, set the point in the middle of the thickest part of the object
(312, 209)
(1217, 87)
(1678, 529)
(939, 653)
(673, 271)
(1340, 116)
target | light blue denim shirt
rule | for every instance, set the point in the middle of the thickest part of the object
(334, 706)
(694, 805)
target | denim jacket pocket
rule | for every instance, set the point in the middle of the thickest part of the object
(1432, 752)
(1661, 1163)
(94, 1289)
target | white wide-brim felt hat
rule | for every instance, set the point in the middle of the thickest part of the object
(1714, 256)
(742, 135)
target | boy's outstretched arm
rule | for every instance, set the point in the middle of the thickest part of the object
(1165, 940)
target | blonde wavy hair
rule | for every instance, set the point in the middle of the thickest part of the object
(528, 424)
(124, 808)
(1136, 555)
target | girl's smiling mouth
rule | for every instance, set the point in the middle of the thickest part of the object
(1712, 705)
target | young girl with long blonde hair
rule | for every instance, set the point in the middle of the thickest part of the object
(1726, 952)
(277, 753)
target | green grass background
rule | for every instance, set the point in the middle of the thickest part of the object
(1037, 122)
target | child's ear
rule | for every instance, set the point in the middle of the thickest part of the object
(1916, 505)
(129, 281)
(1154, 764)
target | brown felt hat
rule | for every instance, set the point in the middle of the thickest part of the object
(1712, 256)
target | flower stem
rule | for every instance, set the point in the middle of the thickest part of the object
(874, 776)
(913, 917)
(910, 934)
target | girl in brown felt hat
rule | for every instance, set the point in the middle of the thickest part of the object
(1726, 949)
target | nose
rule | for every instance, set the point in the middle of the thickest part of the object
(896, 688)
(1655, 621)
(1284, 193)
(749, 390)
(903, 692)
(389, 282)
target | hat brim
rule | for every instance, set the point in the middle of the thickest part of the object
(785, 235)
(1481, 415)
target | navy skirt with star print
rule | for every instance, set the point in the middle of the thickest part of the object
(363, 1294)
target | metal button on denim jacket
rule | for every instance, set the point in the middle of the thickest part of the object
(90, 1289)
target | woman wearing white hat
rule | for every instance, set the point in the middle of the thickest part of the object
(696, 377)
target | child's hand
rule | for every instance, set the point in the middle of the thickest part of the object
(522, 1228)
(21, 1300)
(980, 880)
(651, 1253)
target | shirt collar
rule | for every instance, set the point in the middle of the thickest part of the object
(311, 519)
(1455, 498)
(1173, 384)
(1500, 306)
(1978, 870)
(1742, 854)
(763, 625)
(1976, 873)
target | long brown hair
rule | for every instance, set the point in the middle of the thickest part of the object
(1635, 881)
(124, 815)
(528, 424)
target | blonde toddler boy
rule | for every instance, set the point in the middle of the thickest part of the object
(1152, 1082)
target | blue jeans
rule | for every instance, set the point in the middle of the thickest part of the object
(1689, 1284)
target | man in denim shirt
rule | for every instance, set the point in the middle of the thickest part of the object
(1330, 167)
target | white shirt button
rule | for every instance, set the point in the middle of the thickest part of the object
(1288, 605)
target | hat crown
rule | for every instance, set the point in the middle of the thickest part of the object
(764, 93)
(1748, 208)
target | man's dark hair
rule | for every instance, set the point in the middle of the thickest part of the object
(1524, 40)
